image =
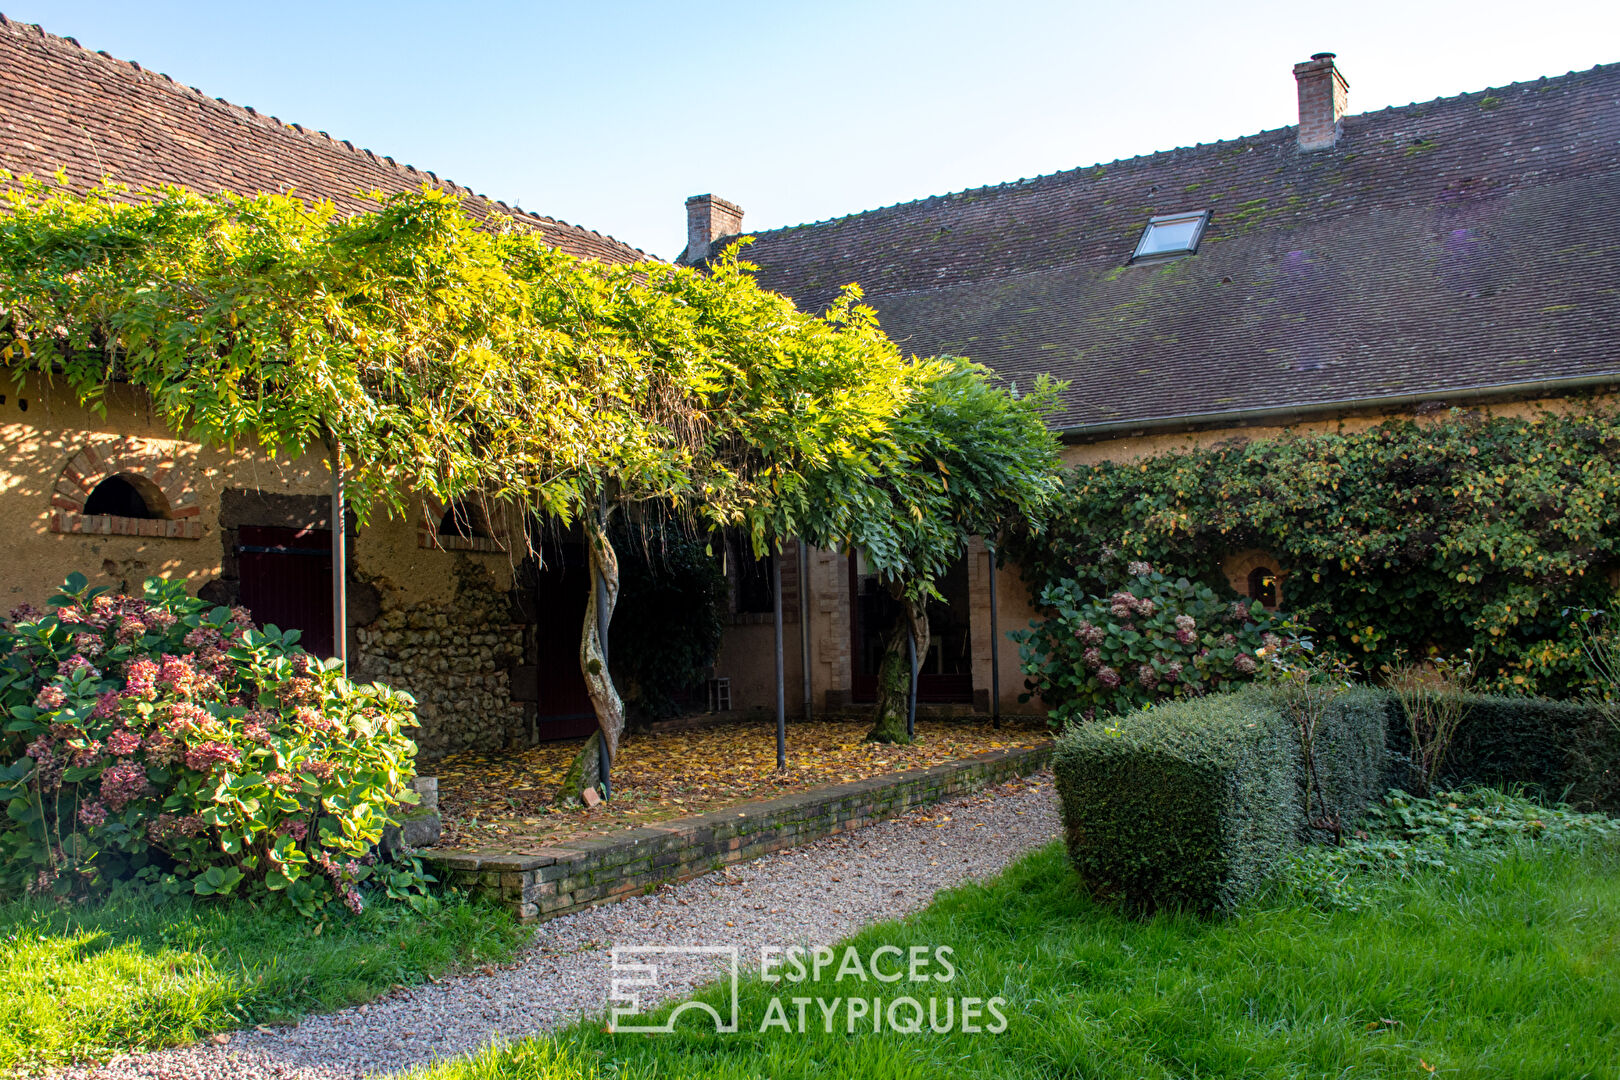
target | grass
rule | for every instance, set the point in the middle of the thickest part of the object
(88, 982)
(1507, 967)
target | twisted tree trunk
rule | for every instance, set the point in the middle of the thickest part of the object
(585, 770)
(894, 671)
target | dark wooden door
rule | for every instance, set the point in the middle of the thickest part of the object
(562, 588)
(286, 577)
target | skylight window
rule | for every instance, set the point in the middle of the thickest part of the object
(1170, 235)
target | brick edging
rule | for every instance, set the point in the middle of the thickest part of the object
(540, 883)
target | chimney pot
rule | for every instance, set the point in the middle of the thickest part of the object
(1324, 95)
(708, 219)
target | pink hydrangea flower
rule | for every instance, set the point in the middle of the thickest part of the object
(88, 644)
(122, 783)
(1108, 677)
(160, 619)
(131, 630)
(1186, 622)
(140, 679)
(294, 828)
(204, 756)
(107, 706)
(74, 663)
(123, 742)
(1244, 664)
(1093, 658)
(50, 697)
(1138, 568)
(92, 814)
(1147, 676)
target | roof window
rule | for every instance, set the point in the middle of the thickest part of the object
(1170, 235)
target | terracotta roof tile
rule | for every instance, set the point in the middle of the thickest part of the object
(65, 107)
(1461, 243)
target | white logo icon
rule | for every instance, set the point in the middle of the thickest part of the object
(629, 976)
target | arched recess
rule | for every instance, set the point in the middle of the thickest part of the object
(140, 488)
(465, 524)
(1250, 572)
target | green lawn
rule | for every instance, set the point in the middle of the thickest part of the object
(1507, 969)
(90, 982)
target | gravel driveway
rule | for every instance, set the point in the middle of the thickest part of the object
(821, 892)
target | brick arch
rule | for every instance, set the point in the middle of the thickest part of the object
(428, 536)
(1237, 568)
(144, 459)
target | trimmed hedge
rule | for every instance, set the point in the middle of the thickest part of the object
(1190, 804)
(1559, 751)
(1184, 805)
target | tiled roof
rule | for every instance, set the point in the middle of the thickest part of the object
(64, 107)
(1462, 243)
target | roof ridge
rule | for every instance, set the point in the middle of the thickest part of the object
(1258, 135)
(252, 115)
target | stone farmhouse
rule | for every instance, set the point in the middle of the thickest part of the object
(1462, 252)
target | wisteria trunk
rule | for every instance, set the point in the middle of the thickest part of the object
(894, 674)
(585, 770)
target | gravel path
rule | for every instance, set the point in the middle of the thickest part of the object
(818, 893)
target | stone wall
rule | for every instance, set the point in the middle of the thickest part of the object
(544, 882)
(456, 659)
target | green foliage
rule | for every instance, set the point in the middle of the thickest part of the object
(1556, 750)
(84, 982)
(1503, 971)
(1192, 803)
(1431, 537)
(1184, 805)
(1152, 638)
(670, 617)
(1402, 835)
(162, 740)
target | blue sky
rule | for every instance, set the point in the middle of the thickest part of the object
(609, 114)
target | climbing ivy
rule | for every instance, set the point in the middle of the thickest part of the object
(1418, 536)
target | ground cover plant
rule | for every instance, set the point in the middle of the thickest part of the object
(1432, 536)
(505, 797)
(87, 981)
(164, 743)
(1503, 969)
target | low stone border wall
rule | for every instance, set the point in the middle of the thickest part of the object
(540, 883)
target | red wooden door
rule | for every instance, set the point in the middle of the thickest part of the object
(562, 588)
(286, 577)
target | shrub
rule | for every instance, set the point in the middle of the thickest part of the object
(1558, 751)
(1432, 697)
(1191, 804)
(1152, 638)
(1453, 533)
(165, 741)
(1184, 805)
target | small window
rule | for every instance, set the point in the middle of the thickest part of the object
(756, 594)
(1263, 587)
(466, 519)
(1171, 235)
(127, 496)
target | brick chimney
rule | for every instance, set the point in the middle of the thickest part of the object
(708, 219)
(1323, 95)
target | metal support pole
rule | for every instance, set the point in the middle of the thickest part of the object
(911, 703)
(781, 673)
(340, 563)
(995, 647)
(804, 624)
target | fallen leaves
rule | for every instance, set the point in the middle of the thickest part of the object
(505, 798)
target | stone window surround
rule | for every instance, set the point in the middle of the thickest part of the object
(99, 460)
(1238, 566)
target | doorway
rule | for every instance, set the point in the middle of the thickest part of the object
(945, 674)
(286, 581)
(562, 588)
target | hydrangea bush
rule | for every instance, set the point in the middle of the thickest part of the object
(1150, 639)
(167, 742)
